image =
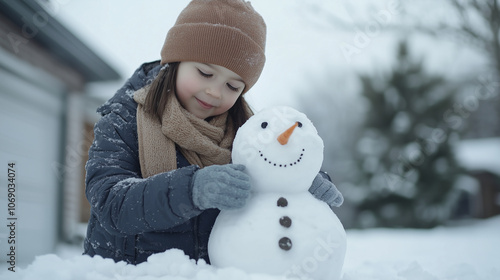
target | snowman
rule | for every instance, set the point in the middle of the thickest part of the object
(283, 229)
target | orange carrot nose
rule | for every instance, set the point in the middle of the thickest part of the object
(283, 138)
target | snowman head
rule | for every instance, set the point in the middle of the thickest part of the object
(281, 150)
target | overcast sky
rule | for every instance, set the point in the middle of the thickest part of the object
(302, 44)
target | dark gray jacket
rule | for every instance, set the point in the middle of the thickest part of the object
(131, 217)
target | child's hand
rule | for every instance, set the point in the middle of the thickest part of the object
(326, 191)
(221, 186)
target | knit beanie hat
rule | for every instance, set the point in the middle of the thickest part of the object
(228, 33)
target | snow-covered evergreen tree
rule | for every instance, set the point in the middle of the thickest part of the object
(407, 169)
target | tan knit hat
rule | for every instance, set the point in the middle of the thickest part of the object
(229, 33)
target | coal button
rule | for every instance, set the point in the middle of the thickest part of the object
(285, 243)
(285, 221)
(282, 202)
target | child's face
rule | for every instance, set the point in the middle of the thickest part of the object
(207, 90)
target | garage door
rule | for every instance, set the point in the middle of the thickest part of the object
(30, 133)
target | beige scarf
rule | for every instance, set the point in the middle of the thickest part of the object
(202, 143)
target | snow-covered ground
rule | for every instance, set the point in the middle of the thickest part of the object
(468, 251)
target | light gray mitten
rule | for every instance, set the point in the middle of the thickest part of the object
(324, 190)
(221, 186)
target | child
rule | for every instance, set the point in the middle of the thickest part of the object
(159, 168)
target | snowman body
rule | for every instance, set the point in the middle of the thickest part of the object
(283, 229)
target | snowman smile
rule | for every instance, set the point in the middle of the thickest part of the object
(277, 164)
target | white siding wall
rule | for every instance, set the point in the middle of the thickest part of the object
(31, 110)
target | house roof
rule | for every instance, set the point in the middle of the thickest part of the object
(479, 154)
(58, 40)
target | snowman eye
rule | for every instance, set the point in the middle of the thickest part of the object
(263, 125)
(299, 124)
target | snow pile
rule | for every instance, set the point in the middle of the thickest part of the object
(479, 154)
(467, 252)
(172, 264)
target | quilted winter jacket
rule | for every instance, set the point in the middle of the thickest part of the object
(131, 217)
